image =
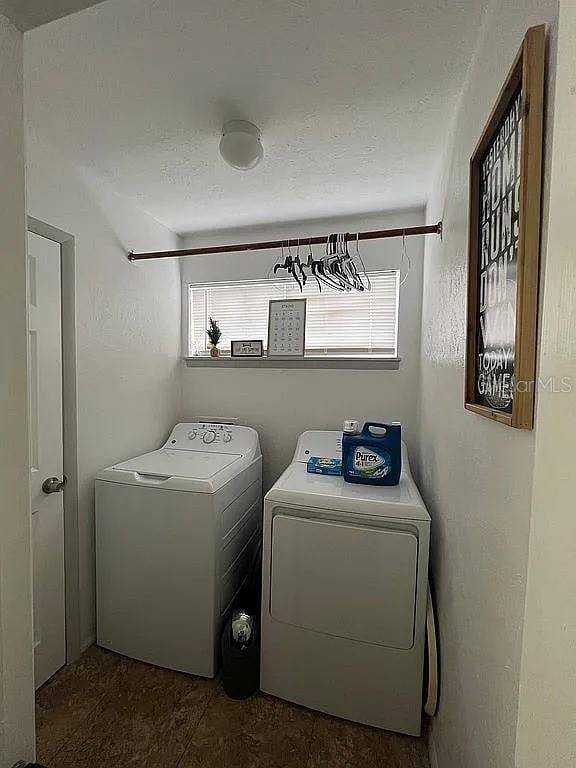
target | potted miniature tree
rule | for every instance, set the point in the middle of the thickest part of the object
(214, 335)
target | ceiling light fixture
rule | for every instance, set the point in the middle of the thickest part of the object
(240, 145)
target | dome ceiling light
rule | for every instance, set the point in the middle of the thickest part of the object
(240, 145)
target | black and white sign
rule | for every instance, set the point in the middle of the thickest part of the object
(246, 348)
(498, 261)
(504, 245)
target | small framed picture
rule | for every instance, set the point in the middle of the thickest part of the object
(286, 327)
(247, 348)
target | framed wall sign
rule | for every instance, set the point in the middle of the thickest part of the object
(504, 246)
(286, 327)
(246, 348)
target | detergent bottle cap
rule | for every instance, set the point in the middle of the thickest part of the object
(351, 426)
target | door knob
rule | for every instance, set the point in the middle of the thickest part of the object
(54, 485)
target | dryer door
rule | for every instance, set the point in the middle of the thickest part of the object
(349, 580)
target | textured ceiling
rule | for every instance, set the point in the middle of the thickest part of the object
(354, 100)
(27, 14)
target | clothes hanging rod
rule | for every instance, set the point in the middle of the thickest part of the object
(377, 234)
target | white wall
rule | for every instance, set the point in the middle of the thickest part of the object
(281, 403)
(547, 729)
(16, 668)
(128, 329)
(476, 475)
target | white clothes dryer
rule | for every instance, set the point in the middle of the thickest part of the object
(344, 591)
(176, 531)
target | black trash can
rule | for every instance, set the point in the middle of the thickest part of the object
(241, 637)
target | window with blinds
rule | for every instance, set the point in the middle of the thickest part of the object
(337, 324)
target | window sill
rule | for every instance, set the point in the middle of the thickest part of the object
(348, 362)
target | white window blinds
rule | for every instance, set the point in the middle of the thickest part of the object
(336, 323)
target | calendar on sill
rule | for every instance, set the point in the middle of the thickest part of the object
(286, 327)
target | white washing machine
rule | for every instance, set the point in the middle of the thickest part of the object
(176, 530)
(344, 590)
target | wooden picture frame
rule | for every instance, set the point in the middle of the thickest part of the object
(504, 246)
(249, 348)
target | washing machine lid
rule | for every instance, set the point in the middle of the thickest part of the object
(175, 470)
(198, 456)
(190, 464)
(298, 487)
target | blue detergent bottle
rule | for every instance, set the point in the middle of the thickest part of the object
(374, 455)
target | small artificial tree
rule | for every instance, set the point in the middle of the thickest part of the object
(214, 335)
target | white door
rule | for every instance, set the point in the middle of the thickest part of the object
(46, 456)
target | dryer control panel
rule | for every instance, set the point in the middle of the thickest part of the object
(324, 443)
(214, 437)
(328, 445)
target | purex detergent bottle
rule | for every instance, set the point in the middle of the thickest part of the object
(373, 455)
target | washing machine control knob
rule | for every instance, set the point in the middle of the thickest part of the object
(227, 437)
(192, 435)
(209, 436)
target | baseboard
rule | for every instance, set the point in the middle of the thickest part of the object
(432, 751)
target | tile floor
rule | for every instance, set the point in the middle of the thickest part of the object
(108, 711)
